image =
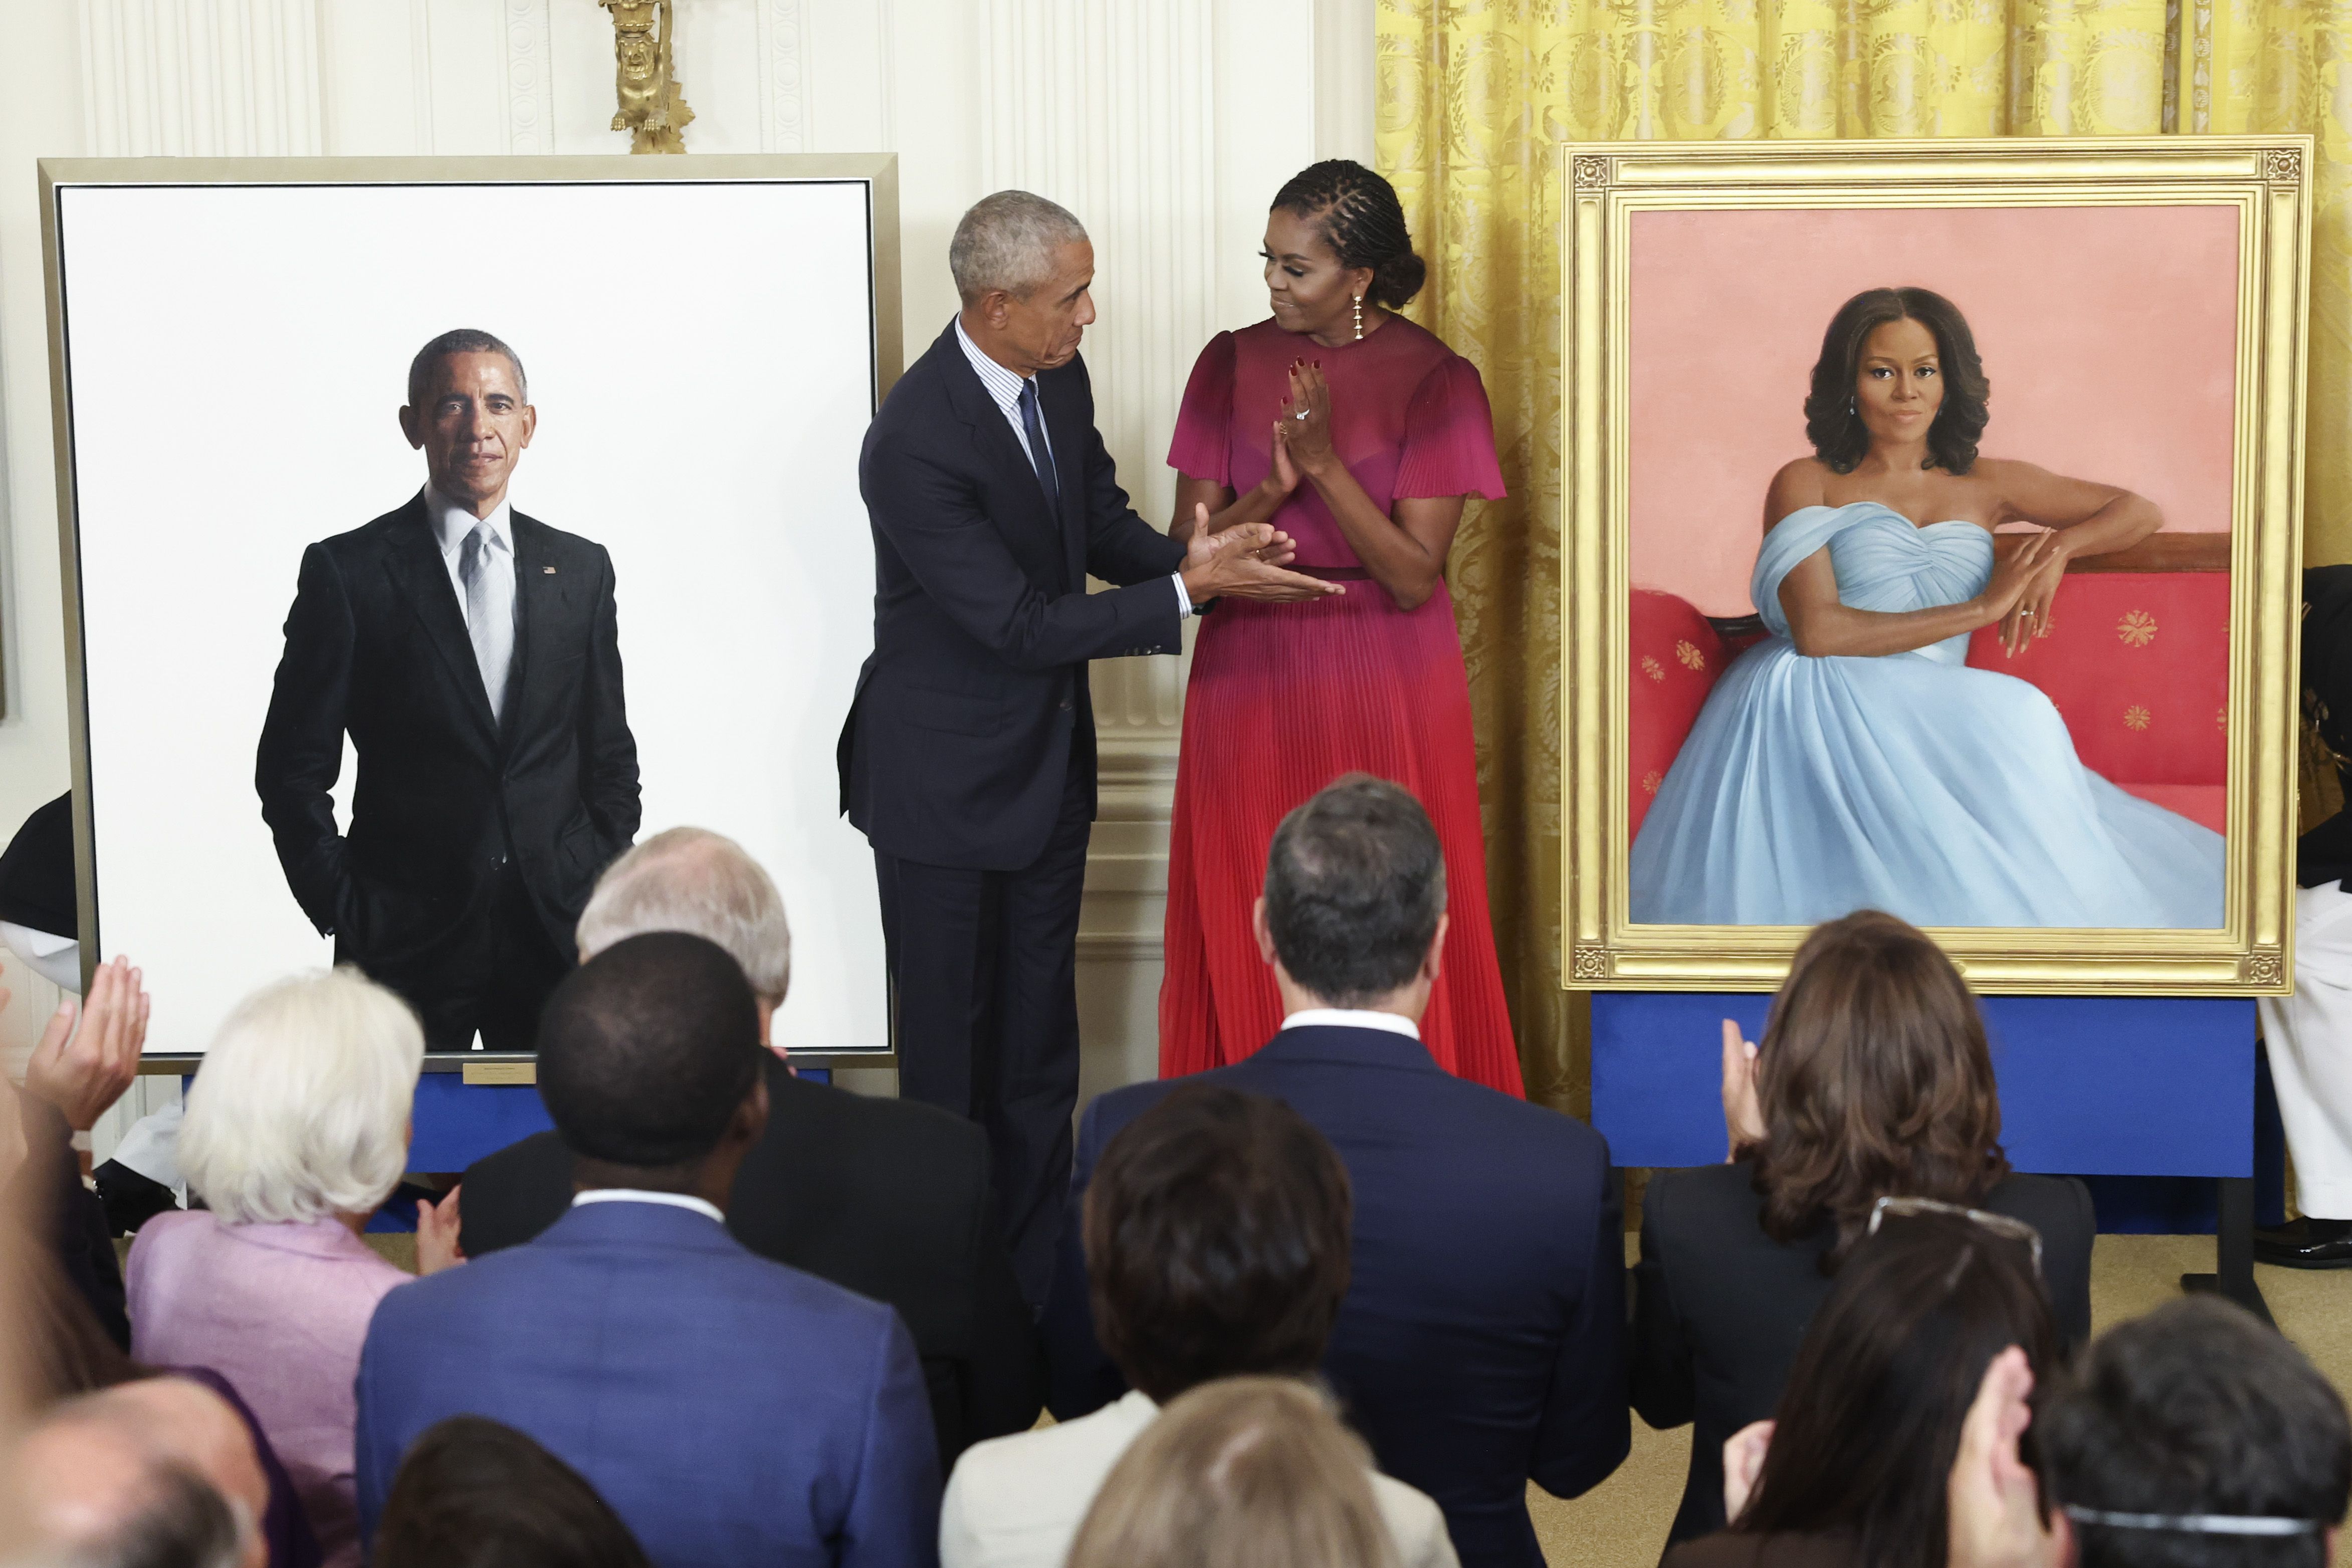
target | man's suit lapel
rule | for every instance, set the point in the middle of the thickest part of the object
(542, 610)
(991, 432)
(1068, 438)
(413, 564)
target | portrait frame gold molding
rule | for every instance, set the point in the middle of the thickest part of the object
(2267, 179)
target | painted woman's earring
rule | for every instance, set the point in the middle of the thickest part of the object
(1853, 411)
(1359, 318)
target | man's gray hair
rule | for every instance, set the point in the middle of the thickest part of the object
(703, 884)
(1007, 241)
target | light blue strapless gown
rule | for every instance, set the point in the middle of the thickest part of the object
(1908, 782)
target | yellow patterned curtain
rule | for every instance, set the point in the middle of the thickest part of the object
(1475, 99)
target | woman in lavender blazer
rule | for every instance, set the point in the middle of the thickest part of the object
(297, 1129)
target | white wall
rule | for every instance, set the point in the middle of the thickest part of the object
(1167, 125)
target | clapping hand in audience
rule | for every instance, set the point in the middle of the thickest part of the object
(1743, 1461)
(83, 1070)
(1743, 1119)
(1996, 1509)
(436, 1234)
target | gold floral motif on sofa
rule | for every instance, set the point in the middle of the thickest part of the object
(2138, 628)
(1654, 670)
(2135, 717)
(1687, 651)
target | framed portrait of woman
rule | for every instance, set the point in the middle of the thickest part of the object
(1932, 543)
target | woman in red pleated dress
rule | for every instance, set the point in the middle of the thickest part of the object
(1359, 434)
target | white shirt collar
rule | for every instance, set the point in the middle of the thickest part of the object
(1352, 1017)
(1003, 385)
(636, 1195)
(452, 522)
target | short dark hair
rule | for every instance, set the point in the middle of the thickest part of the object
(473, 1493)
(1832, 422)
(1216, 1233)
(1355, 883)
(646, 1049)
(1869, 1422)
(1363, 223)
(459, 341)
(2196, 1408)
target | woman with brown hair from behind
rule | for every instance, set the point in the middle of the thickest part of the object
(1873, 1079)
(1244, 1472)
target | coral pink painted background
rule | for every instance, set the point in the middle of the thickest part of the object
(2108, 334)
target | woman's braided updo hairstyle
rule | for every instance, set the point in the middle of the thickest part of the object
(1363, 221)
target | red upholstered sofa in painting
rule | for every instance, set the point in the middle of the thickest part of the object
(2137, 662)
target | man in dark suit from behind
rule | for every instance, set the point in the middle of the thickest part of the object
(968, 757)
(1481, 1342)
(731, 1409)
(881, 1196)
(473, 656)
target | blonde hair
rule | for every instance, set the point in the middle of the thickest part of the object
(1244, 1472)
(703, 884)
(301, 1109)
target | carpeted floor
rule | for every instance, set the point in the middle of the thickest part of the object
(1621, 1523)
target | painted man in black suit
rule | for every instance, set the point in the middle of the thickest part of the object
(968, 759)
(472, 655)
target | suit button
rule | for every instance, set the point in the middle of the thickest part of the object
(1065, 704)
(498, 863)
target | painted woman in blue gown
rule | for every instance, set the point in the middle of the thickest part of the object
(1852, 759)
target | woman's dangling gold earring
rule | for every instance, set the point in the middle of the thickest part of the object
(1359, 318)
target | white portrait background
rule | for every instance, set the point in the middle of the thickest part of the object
(702, 358)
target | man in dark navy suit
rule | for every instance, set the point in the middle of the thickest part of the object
(968, 759)
(1481, 1342)
(473, 656)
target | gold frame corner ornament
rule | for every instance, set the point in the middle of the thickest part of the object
(2267, 179)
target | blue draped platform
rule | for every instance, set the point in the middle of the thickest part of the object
(2096, 1087)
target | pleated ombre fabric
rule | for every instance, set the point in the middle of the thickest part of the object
(1285, 698)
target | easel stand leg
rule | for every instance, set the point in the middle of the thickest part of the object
(2234, 1250)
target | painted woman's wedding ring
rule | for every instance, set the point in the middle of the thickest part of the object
(1300, 415)
(2025, 615)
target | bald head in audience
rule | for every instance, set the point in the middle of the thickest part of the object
(160, 1470)
(703, 884)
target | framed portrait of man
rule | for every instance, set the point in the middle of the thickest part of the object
(1932, 545)
(436, 529)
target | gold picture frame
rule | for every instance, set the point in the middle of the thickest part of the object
(2267, 181)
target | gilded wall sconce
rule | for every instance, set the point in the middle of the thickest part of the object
(652, 104)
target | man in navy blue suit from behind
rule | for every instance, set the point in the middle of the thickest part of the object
(731, 1409)
(1481, 1342)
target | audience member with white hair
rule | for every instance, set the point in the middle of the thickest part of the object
(297, 1130)
(886, 1197)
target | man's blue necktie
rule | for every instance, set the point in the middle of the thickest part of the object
(1039, 458)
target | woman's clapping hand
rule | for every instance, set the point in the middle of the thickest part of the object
(1743, 1117)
